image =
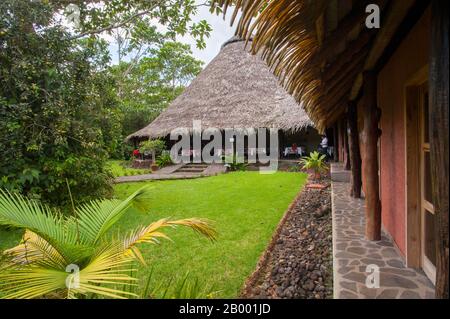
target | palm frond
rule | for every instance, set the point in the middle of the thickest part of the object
(152, 233)
(21, 212)
(106, 270)
(37, 251)
(97, 217)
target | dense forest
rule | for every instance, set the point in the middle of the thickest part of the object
(76, 78)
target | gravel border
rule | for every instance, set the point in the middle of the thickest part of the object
(297, 263)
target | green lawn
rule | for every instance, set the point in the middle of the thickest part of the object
(119, 169)
(245, 207)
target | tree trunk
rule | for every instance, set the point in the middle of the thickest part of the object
(371, 134)
(438, 79)
(355, 156)
(347, 164)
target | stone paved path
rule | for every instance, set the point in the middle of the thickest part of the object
(352, 253)
(170, 173)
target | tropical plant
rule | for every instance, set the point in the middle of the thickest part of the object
(152, 146)
(236, 163)
(54, 244)
(164, 160)
(316, 162)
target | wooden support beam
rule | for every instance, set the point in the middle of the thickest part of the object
(356, 48)
(336, 111)
(394, 14)
(335, 142)
(439, 115)
(345, 79)
(347, 164)
(355, 155)
(371, 135)
(355, 18)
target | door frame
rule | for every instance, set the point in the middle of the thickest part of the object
(425, 205)
(413, 215)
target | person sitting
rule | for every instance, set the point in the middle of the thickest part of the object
(294, 149)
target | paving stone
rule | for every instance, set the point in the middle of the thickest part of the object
(349, 285)
(395, 263)
(356, 276)
(344, 270)
(356, 250)
(400, 272)
(343, 262)
(388, 294)
(375, 256)
(369, 293)
(385, 243)
(344, 294)
(350, 245)
(371, 261)
(354, 263)
(409, 295)
(389, 280)
(389, 252)
(346, 255)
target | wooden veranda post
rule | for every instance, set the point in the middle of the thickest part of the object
(438, 81)
(336, 143)
(354, 153)
(347, 164)
(371, 135)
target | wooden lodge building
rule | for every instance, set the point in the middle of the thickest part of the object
(236, 90)
(384, 91)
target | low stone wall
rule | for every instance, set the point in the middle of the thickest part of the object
(137, 163)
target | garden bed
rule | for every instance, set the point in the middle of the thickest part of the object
(298, 262)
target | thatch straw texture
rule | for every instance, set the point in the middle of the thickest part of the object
(236, 90)
(317, 48)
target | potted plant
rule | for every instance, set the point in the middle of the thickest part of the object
(316, 162)
(153, 147)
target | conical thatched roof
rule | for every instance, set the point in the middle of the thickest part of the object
(236, 90)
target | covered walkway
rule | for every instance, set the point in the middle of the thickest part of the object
(352, 253)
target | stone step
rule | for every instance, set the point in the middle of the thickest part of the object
(190, 170)
(196, 165)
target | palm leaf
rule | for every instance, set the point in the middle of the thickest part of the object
(106, 270)
(152, 233)
(35, 250)
(97, 217)
(19, 211)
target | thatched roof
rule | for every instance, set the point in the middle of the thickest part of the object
(236, 90)
(321, 48)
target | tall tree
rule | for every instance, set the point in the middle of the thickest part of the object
(154, 82)
(59, 116)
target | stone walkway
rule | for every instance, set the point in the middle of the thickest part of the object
(352, 253)
(170, 172)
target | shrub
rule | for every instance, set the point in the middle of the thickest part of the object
(164, 160)
(236, 163)
(316, 162)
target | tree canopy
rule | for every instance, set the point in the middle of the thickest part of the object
(63, 107)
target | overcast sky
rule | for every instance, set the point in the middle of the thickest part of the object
(221, 32)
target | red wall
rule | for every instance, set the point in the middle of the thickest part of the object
(410, 57)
